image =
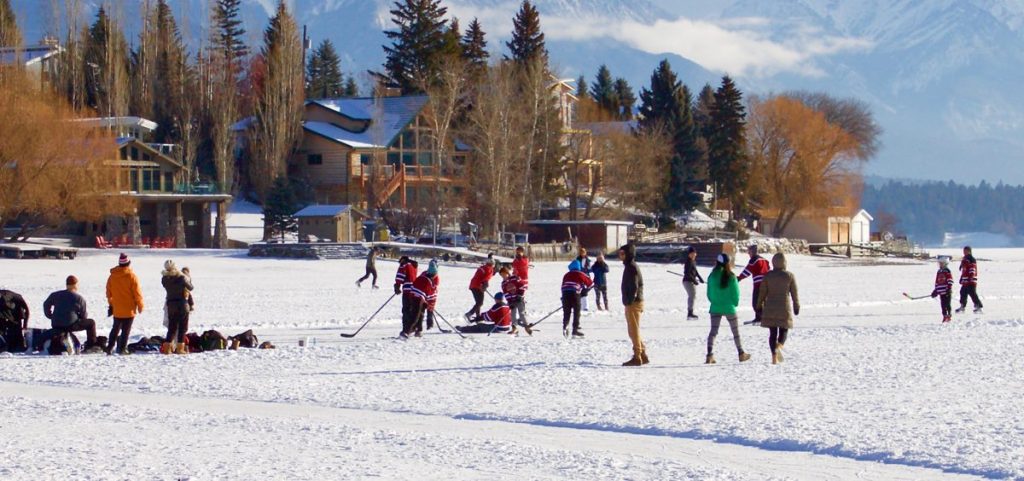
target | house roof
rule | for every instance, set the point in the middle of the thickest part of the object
(325, 210)
(28, 55)
(154, 153)
(602, 128)
(108, 122)
(387, 116)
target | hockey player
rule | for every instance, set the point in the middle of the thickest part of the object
(514, 290)
(574, 284)
(477, 285)
(421, 299)
(403, 284)
(691, 278)
(969, 281)
(521, 265)
(944, 288)
(585, 269)
(756, 269)
(497, 319)
(600, 270)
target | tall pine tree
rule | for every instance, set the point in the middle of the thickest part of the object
(626, 99)
(106, 66)
(351, 87)
(666, 106)
(171, 77)
(417, 44)
(702, 110)
(323, 72)
(603, 92)
(474, 49)
(527, 45)
(10, 35)
(228, 33)
(728, 166)
(581, 88)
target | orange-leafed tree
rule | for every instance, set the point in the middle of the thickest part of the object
(802, 162)
(52, 168)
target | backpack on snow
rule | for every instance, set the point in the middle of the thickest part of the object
(213, 341)
(246, 339)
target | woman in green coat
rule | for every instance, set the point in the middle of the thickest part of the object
(724, 295)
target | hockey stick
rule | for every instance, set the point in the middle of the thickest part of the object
(439, 328)
(908, 296)
(675, 273)
(543, 318)
(370, 319)
(438, 314)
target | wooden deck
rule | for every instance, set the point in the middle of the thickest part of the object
(23, 250)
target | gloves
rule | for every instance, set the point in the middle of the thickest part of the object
(796, 310)
(935, 294)
(398, 289)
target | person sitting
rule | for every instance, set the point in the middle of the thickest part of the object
(497, 319)
(67, 312)
(14, 314)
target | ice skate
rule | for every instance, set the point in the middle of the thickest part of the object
(710, 359)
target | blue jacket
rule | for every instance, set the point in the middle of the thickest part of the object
(600, 270)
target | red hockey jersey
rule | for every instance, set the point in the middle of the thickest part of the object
(424, 288)
(521, 268)
(968, 271)
(500, 315)
(482, 277)
(576, 281)
(943, 282)
(405, 276)
(756, 269)
(514, 288)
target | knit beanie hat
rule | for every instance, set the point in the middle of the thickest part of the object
(169, 265)
(575, 266)
(432, 267)
(123, 260)
(499, 297)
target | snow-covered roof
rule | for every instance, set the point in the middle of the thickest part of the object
(108, 122)
(28, 55)
(324, 210)
(387, 117)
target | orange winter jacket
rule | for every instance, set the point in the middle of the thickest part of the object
(124, 293)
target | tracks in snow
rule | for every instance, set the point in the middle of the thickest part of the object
(755, 462)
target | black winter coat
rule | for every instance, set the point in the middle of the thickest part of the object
(632, 280)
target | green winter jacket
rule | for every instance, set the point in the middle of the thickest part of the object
(723, 301)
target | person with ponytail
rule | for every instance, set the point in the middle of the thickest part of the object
(724, 295)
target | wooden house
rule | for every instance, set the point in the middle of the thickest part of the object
(330, 223)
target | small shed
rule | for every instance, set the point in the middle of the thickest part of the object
(860, 228)
(595, 235)
(336, 223)
(833, 226)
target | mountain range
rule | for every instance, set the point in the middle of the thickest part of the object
(941, 76)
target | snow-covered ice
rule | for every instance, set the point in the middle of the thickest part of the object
(873, 386)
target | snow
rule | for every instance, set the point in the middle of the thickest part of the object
(245, 221)
(873, 386)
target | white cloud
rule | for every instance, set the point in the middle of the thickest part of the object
(744, 47)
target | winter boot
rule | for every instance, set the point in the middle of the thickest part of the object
(565, 330)
(946, 319)
(359, 284)
(168, 347)
(961, 309)
(977, 310)
(634, 361)
(744, 357)
(775, 357)
(577, 333)
(690, 316)
(123, 352)
(644, 359)
(778, 353)
(182, 348)
(710, 359)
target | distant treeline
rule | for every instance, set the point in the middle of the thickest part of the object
(926, 211)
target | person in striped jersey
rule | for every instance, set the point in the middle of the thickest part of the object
(497, 319)
(514, 290)
(755, 270)
(574, 284)
(969, 281)
(421, 299)
(944, 288)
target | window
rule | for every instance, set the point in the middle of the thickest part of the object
(134, 181)
(426, 158)
(409, 158)
(315, 159)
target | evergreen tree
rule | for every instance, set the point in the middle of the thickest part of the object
(702, 110)
(228, 32)
(666, 106)
(417, 43)
(581, 88)
(323, 72)
(279, 209)
(171, 76)
(106, 66)
(603, 91)
(527, 45)
(625, 98)
(474, 48)
(10, 35)
(452, 45)
(727, 164)
(351, 88)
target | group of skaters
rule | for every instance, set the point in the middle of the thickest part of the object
(968, 285)
(68, 312)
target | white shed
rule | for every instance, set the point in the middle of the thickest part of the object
(860, 227)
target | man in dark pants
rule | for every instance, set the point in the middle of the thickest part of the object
(969, 281)
(574, 284)
(14, 316)
(371, 268)
(67, 312)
